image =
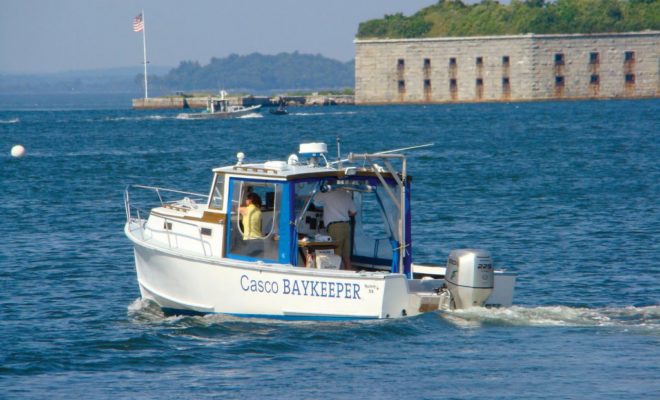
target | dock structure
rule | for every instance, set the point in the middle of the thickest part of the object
(507, 68)
(183, 101)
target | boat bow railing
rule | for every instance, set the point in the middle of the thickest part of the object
(186, 202)
(134, 214)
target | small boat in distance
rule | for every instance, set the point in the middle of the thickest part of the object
(201, 254)
(281, 108)
(219, 107)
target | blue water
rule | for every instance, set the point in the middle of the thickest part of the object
(565, 194)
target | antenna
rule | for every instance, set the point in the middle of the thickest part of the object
(338, 152)
(405, 148)
(390, 151)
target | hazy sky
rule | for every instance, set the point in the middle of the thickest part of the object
(64, 35)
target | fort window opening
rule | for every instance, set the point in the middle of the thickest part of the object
(427, 63)
(629, 56)
(559, 58)
(427, 84)
(630, 78)
(480, 61)
(505, 60)
(479, 88)
(402, 86)
(453, 89)
(594, 58)
(595, 79)
(559, 80)
(506, 87)
(452, 62)
(400, 64)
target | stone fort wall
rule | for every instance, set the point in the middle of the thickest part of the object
(508, 68)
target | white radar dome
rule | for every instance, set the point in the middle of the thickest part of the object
(313, 148)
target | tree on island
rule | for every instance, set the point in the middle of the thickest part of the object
(260, 73)
(454, 18)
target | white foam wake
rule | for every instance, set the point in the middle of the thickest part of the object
(637, 318)
(251, 115)
(10, 121)
(325, 113)
(141, 118)
(640, 320)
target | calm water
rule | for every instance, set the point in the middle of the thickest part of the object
(565, 194)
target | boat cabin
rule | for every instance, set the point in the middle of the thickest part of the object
(292, 229)
(217, 104)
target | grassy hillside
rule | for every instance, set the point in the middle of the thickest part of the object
(454, 18)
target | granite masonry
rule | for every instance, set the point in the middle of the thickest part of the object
(508, 68)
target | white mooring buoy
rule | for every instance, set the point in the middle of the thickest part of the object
(18, 151)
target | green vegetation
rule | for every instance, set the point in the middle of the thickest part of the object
(454, 18)
(259, 73)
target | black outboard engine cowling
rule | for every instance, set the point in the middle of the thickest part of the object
(469, 277)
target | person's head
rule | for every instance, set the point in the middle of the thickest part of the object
(254, 199)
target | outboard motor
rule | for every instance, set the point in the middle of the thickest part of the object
(469, 277)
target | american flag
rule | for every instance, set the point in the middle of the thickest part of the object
(138, 23)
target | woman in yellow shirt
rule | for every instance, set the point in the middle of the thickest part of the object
(251, 220)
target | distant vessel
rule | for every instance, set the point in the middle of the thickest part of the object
(197, 254)
(280, 110)
(219, 107)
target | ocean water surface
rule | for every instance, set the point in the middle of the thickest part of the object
(566, 194)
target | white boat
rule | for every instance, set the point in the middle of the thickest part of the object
(220, 107)
(191, 257)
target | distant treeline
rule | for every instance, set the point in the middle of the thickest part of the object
(254, 73)
(454, 18)
(259, 73)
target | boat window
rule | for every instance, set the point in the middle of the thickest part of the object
(376, 226)
(217, 194)
(254, 219)
(371, 215)
(309, 220)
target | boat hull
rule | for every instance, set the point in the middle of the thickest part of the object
(220, 114)
(195, 284)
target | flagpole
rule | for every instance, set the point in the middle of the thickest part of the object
(144, 45)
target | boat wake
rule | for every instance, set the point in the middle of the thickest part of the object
(307, 114)
(638, 320)
(142, 118)
(146, 312)
(10, 121)
(645, 319)
(251, 115)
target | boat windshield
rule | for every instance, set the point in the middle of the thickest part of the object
(374, 229)
(254, 216)
(217, 194)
